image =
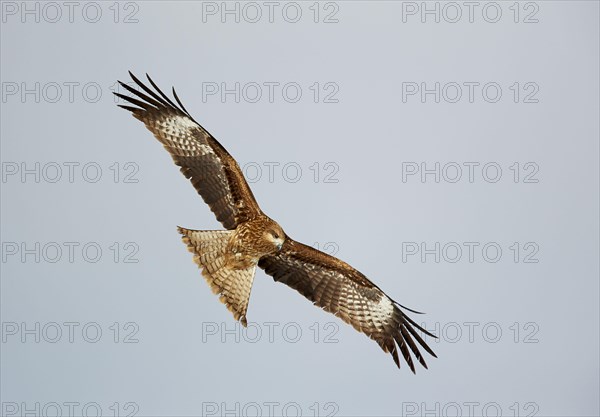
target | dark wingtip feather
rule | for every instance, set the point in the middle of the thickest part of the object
(150, 99)
(160, 91)
(148, 90)
(404, 349)
(419, 339)
(413, 346)
(130, 108)
(406, 308)
(143, 105)
(394, 353)
(411, 321)
(180, 103)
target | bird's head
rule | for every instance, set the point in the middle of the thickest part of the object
(274, 234)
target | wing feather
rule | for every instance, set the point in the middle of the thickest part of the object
(340, 289)
(212, 171)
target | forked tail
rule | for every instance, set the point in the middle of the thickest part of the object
(233, 284)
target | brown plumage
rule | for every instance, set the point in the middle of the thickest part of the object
(228, 258)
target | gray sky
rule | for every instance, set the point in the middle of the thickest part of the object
(447, 151)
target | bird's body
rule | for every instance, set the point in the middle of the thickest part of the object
(254, 239)
(228, 258)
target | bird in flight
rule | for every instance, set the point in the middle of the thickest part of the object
(228, 258)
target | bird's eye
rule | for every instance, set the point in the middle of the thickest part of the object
(274, 234)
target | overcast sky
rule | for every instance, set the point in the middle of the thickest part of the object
(449, 151)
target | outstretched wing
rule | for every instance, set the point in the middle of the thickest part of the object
(340, 289)
(211, 169)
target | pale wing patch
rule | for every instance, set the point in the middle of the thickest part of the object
(185, 122)
(180, 135)
(383, 311)
(182, 130)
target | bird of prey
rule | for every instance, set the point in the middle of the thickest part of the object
(228, 258)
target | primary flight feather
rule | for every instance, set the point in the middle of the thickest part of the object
(228, 258)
